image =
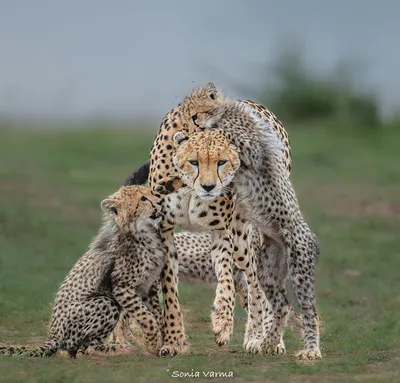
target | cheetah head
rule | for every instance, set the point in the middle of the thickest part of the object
(206, 161)
(202, 108)
(133, 208)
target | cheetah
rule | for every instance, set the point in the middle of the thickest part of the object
(266, 197)
(117, 277)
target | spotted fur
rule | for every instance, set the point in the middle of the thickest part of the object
(265, 194)
(115, 278)
(196, 266)
(164, 179)
(267, 200)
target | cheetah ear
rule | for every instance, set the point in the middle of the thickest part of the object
(211, 91)
(179, 137)
(110, 205)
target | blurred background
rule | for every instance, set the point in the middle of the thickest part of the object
(83, 88)
(130, 59)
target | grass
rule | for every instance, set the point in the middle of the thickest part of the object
(51, 184)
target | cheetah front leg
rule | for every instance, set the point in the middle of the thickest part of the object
(153, 303)
(174, 331)
(224, 303)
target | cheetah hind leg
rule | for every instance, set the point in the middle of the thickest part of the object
(95, 327)
(98, 346)
(303, 282)
(282, 310)
(257, 304)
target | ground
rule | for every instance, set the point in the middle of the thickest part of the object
(348, 185)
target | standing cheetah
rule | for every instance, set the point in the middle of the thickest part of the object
(112, 279)
(267, 199)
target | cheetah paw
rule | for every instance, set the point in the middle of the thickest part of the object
(309, 354)
(254, 346)
(171, 350)
(222, 326)
(279, 349)
(223, 334)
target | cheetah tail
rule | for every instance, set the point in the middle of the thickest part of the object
(47, 350)
(139, 176)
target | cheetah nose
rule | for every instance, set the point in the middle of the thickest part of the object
(208, 188)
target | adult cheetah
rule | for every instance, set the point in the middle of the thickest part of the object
(267, 199)
(116, 277)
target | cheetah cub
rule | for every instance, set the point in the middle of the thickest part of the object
(117, 277)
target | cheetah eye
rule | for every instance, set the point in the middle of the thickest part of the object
(222, 162)
(194, 119)
(194, 162)
(143, 199)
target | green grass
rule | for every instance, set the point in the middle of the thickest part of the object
(51, 184)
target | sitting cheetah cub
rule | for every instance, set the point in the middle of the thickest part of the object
(116, 277)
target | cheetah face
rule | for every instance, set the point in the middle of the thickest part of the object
(206, 161)
(133, 208)
(202, 108)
